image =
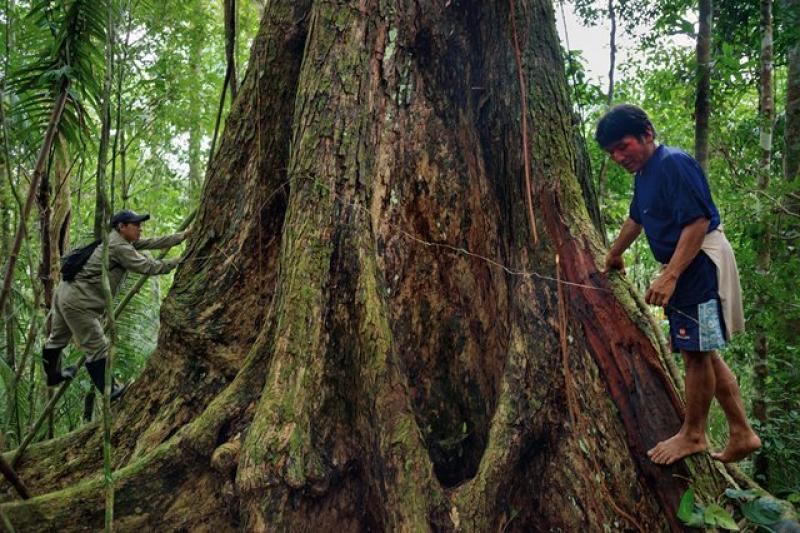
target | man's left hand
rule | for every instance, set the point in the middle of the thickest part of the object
(661, 289)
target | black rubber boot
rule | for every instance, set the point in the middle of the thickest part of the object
(51, 358)
(97, 371)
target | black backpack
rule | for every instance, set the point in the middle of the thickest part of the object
(72, 263)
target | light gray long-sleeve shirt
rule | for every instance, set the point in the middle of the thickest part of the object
(86, 290)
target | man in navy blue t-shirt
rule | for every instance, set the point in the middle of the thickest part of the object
(672, 203)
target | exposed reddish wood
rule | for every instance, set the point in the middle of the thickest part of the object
(569, 382)
(647, 404)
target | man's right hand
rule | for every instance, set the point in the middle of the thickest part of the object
(630, 230)
(614, 262)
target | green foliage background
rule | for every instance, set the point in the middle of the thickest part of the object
(169, 62)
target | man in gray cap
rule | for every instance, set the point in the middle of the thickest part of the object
(79, 305)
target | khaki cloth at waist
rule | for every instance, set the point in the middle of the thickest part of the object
(718, 249)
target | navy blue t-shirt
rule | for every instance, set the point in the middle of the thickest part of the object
(670, 192)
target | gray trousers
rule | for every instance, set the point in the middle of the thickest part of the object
(84, 325)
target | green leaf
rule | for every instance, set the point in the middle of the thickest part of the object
(697, 518)
(763, 511)
(686, 27)
(686, 506)
(717, 516)
(741, 495)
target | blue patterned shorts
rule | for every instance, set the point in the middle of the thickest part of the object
(696, 328)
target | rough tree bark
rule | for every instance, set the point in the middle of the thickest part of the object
(331, 357)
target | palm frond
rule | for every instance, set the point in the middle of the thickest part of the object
(70, 39)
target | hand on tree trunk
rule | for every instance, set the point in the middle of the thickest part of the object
(614, 262)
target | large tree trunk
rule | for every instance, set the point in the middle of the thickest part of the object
(364, 335)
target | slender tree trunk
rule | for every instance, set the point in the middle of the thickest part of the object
(612, 66)
(767, 111)
(791, 132)
(108, 469)
(118, 150)
(124, 179)
(376, 343)
(6, 212)
(612, 52)
(196, 166)
(61, 212)
(110, 321)
(7, 205)
(230, 45)
(9, 336)
(38, 173)
(54, 224)
(702, 104)
(101, 210)
(45, 264)
(111, 324)
(196, 163)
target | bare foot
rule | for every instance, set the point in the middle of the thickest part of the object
(740, 445)
(676, 447)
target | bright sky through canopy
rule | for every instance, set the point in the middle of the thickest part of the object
(592, 41)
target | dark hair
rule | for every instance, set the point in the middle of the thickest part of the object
(622, 120)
